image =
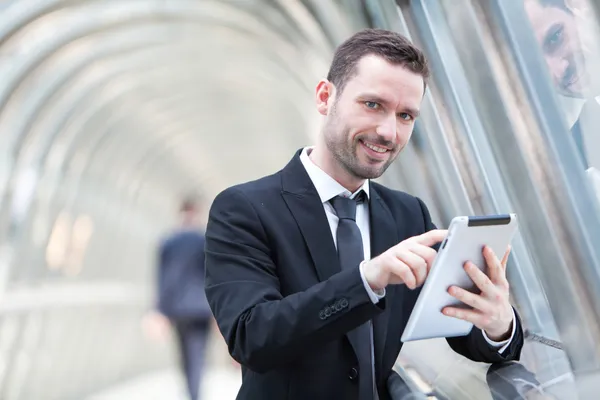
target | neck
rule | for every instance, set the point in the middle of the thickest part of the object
(323, 159)
(188, 223)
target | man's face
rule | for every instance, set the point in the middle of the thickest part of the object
(371, 121)
(567, 54)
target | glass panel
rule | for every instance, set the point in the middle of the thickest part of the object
(568, 36)
(490, 107)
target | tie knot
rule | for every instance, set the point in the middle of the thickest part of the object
(345, 207)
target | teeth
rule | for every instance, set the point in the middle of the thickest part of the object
(375, 148)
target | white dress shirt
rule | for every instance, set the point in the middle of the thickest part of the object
(573, 108)
(328, 188)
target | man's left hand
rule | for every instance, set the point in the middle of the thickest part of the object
(491, 311)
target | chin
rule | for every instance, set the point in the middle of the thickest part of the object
(368, 173)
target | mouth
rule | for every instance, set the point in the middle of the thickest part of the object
(571, 78)
(375, 151)
(573, 81)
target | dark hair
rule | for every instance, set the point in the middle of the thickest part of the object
(189, 203)
(392, 46)
(555, 3)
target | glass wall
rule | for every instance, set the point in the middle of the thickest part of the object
(567, 35)
(509, 125)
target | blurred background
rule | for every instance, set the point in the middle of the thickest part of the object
(111, 111)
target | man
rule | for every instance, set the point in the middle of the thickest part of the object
(568, 37)
(181, 297)
(313, 272)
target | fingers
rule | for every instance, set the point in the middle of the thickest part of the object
(475, 317)
(403, 274)
(505, 258)
(432, 237)
(417, 256)
(416, 264)
(476, 301)
(497, 272)
(426, 253)
(480, 279)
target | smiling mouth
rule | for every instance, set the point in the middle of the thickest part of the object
(375, 148)
(374, 151)
(572, 81)
(571, 77)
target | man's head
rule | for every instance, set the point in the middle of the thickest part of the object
(570, 53)
(370, 100)
(189, 209)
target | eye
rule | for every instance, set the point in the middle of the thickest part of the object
(405, 116)
(554, 38)
(372, 105)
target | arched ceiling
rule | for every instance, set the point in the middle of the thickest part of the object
(156, 97)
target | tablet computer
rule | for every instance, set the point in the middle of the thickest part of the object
(465, 241)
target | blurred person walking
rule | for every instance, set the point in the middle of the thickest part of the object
(181, 301)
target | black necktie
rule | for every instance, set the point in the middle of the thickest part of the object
(588, 121)
(350, 255)
(578, 138)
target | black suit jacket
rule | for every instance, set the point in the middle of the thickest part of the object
(282, 302)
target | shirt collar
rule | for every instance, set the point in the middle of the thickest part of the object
(572, 107)
(326, 186)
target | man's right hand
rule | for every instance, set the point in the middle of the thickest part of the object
(407, 262)
(156, 326)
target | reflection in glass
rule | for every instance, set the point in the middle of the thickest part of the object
(513, 381)
(568, 35)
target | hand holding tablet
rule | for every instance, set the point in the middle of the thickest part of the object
(491, 311)
(467, 282)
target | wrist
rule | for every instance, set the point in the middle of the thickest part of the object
(370, 274)
(499, 337)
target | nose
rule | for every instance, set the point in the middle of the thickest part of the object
(558, 67)
(387, 128)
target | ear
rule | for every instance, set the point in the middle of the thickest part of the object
(324, 96)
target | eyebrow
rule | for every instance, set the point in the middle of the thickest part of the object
(378, 99)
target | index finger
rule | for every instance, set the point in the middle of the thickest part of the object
(432, 237)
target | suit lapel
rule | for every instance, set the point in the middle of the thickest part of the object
(384, 234)
(304, 203)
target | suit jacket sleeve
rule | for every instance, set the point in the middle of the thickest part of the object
(262, 328)
(474, 346)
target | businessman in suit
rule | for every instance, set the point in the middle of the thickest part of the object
(312, 272)
(182, 302)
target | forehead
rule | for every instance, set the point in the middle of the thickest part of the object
(393, 82)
